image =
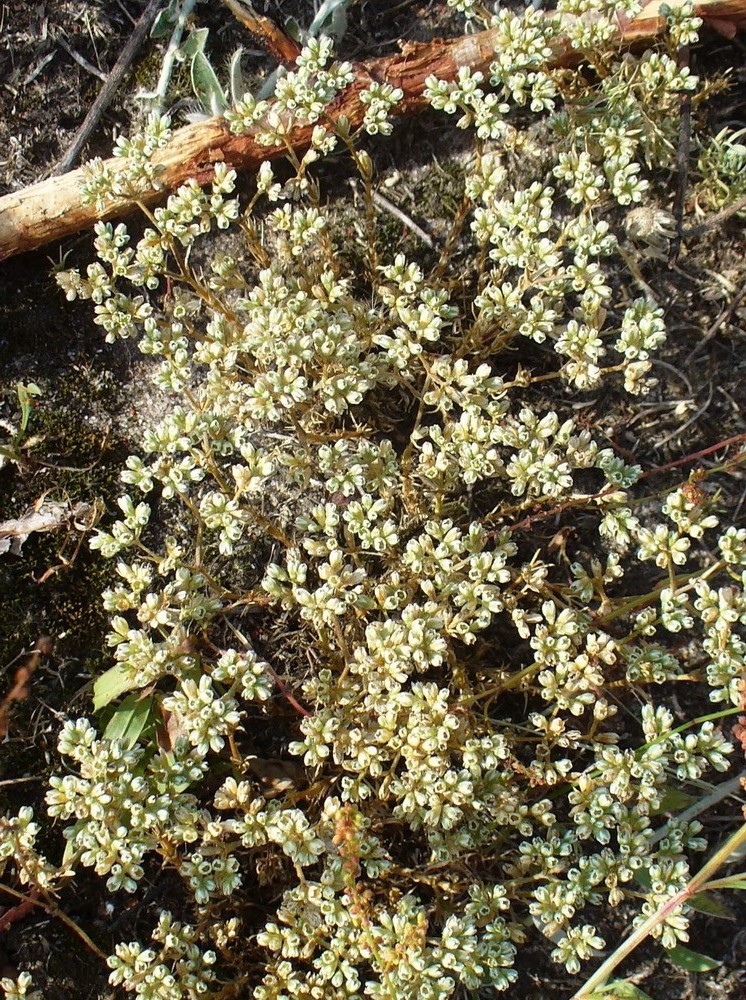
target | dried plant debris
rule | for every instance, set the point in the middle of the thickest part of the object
(47, 515)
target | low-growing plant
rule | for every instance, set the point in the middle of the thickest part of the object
(722, 168)
(211, 96)
(481, 605)
(16, 435)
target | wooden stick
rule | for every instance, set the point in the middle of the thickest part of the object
(52, 208)
(109, 88)
(279, 45)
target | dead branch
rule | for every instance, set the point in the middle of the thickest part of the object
(279, 45)
(52, 209)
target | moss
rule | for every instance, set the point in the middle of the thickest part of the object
(439, 192)
(71, 460)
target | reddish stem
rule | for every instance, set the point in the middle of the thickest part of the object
(19, 911)
(580, 501)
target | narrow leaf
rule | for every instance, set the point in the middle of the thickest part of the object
(692, 961)
(620, 989)
(713, 906)
(165, 21)
(643, 877)
(293, 29)
(206, 85)
(195, 42)
(674, 800)
(129, 719)
(331, 19)
(268, 87)
(734, 883)
(110, 685)
(238, 87)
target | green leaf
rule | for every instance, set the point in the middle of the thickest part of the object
(238, 87)
(165, 21)
(195, 43)
(674, 800)
(704, 902)
(734, 883)
(129, 719)
(206, 85)
(331, 19)
(643, 877)
(267, 89)
(620, 989)
(293, 29)
(692, 961)
(111, 685)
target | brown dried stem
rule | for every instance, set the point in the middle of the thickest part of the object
(284, 49)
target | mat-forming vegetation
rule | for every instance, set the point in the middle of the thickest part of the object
(338, 536)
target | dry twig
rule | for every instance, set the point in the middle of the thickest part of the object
(284, 49)
(714, 220)
(22, 678)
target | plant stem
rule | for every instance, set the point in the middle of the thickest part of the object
(159, 96)
(54, 911)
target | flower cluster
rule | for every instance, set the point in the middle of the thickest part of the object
(20, 988)
(177, 968)
(18, 836)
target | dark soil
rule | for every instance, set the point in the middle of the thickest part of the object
(94, 399)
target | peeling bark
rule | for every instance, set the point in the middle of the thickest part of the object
(52, 209)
